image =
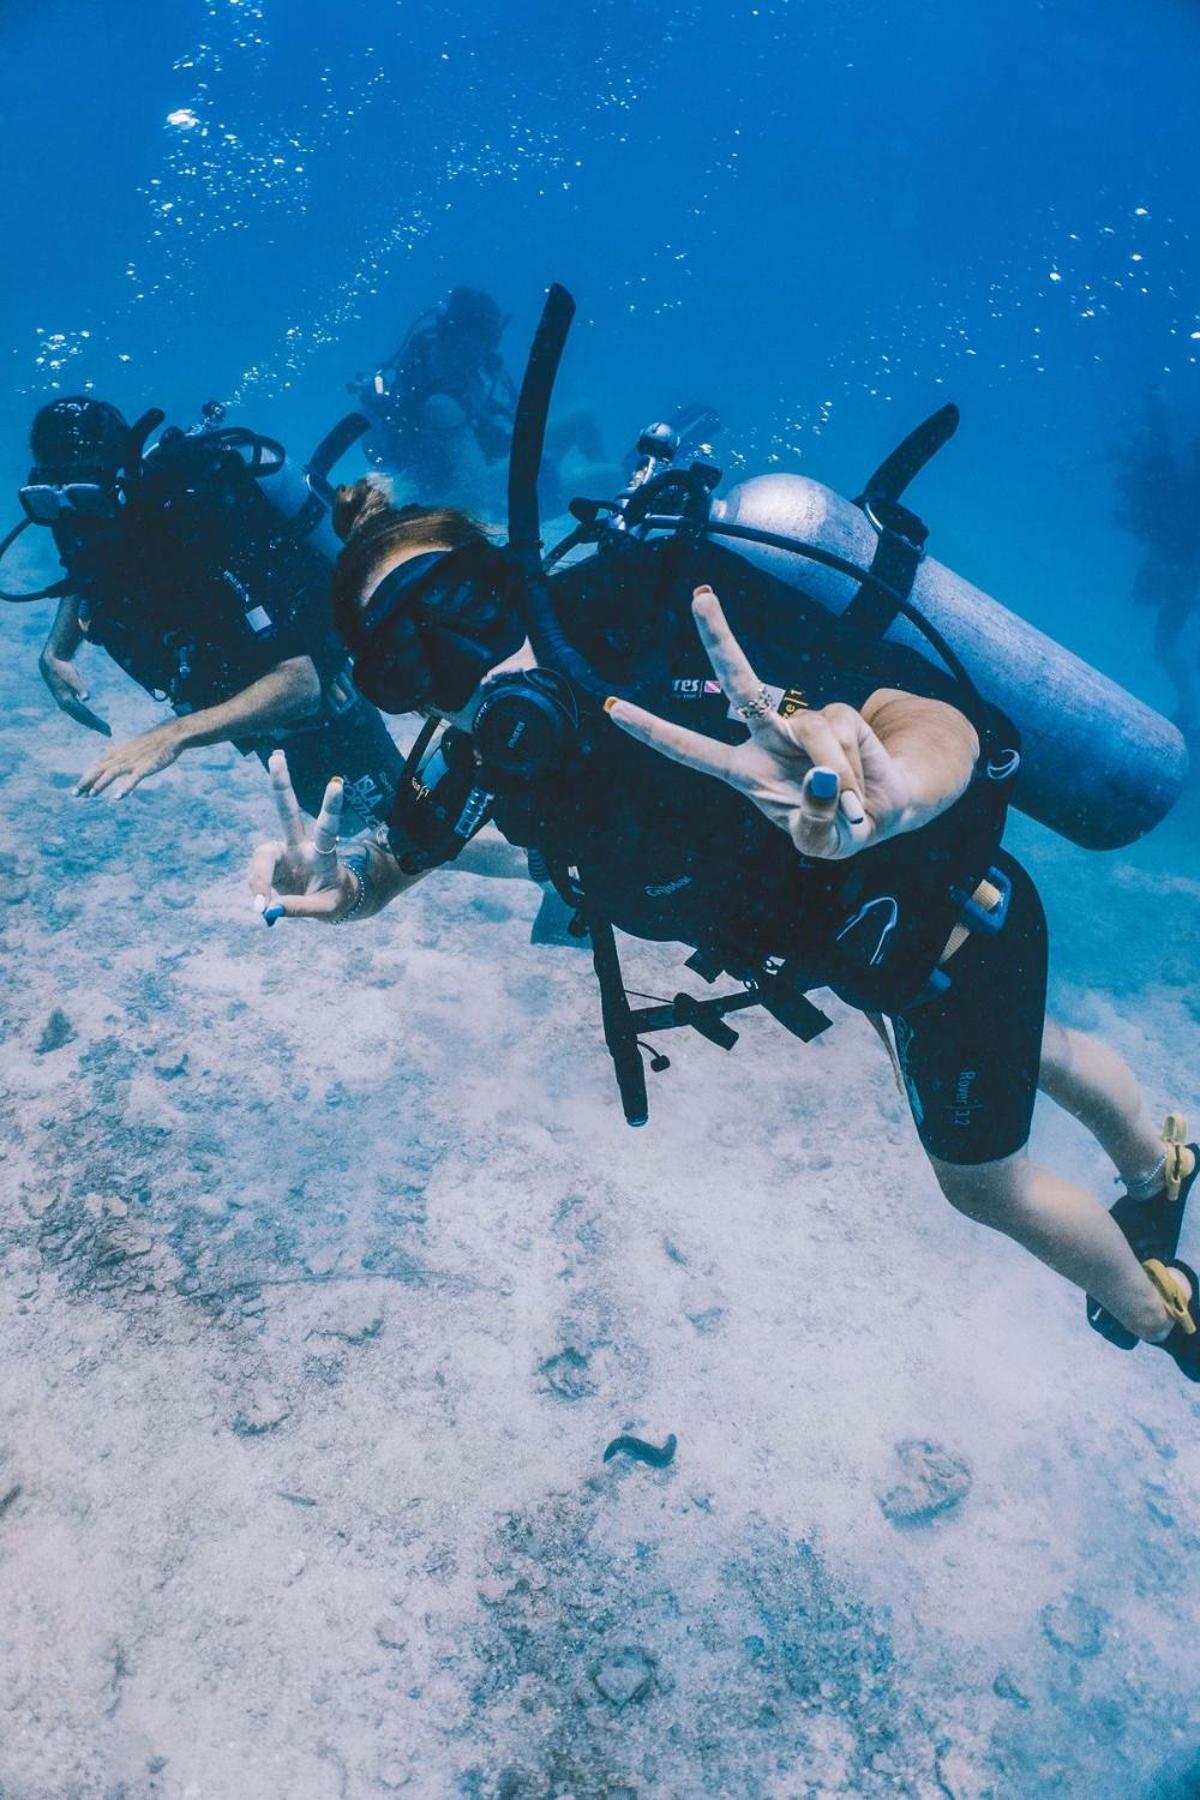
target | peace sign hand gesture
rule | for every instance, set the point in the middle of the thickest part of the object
(822, 776)
(303, 870)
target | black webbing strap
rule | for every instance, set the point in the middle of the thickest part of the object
(898, 553)
(620, 1032)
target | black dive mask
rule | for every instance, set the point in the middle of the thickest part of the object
(434, 627)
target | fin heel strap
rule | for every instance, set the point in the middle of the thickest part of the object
(1170, 1291)
(1175, 1154)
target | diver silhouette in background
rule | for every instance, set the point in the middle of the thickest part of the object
(444, 401)
(1158, 485)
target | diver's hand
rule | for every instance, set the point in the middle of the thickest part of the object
(301, 878)
(68, 692)
(822, 776)
(121, 769)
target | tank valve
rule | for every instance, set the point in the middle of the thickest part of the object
(659, 442)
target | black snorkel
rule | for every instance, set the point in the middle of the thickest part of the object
(524, 512)
(557, 655)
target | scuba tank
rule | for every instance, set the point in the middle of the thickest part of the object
(1099, 766)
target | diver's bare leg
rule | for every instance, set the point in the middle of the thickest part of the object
(1091, 1082)
(1063, 1226)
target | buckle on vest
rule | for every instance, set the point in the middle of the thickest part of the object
(987, 909)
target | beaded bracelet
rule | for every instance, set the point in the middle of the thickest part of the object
(357, 866)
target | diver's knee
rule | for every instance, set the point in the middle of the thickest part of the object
(1058, 1055)
(1056, 1043)
(985, 1191)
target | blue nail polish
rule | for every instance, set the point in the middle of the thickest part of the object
(823, 784)
(272, 913)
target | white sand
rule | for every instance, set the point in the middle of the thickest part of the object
(293, 1224)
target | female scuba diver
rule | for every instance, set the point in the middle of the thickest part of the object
(842, 834)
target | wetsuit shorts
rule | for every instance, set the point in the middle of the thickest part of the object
(971, 1056)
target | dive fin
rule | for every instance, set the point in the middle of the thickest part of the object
(1152, 1227)
(909, 458)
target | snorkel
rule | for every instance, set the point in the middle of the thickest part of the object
(524, 512)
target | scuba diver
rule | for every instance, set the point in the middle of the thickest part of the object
(442, 404)
(1158, 481)
(184, 570)
(797, 795)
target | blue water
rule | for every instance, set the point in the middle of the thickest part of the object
(825, 220)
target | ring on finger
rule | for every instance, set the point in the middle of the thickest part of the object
(760, 707)
(324, 842)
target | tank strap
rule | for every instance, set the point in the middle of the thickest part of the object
(899, 550)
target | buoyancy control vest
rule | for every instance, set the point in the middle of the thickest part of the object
(200, 580)
(674, 855)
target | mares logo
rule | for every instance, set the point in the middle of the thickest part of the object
(694, 689)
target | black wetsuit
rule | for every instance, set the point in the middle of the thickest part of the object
(196, 596)
(670, 854)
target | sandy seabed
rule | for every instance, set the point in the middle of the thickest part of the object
(329, 1271)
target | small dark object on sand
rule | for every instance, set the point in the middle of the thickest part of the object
(58, 1031)
(640, 1451)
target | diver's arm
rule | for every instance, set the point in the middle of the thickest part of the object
(66, 633)
(56, 665)
(933, 748)
(285, 695)
(379, 875)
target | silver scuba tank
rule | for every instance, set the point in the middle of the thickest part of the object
(305, 513)
(1099, 766)
(303, 495)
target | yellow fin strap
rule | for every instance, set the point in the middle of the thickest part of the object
(1177, 1163)
(1171, 1295)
